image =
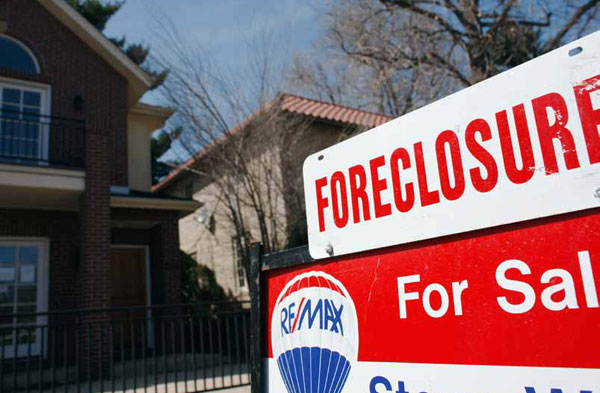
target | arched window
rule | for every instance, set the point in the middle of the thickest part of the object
(16, 56)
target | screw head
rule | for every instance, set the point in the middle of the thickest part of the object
(329, 250)
(597, 193)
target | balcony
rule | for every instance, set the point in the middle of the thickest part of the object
(41, 161)
(32, 139)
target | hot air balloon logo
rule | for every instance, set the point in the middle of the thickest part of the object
(314, 334)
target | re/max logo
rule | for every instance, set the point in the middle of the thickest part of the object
(322, 312)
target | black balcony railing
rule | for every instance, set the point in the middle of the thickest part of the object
(33, 139)
(167, 348)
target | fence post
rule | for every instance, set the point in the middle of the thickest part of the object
(256, 322)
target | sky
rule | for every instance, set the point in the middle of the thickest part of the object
(223, 28)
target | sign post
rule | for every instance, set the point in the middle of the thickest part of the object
(453, 250)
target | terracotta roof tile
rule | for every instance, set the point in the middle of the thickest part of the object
(328, 111)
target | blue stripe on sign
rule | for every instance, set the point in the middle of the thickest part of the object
(313, 370)
(282, 367)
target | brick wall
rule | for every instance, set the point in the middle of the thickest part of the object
(95, 224)
(72, 68)
(80, 246)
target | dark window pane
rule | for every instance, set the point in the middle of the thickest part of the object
(6, 309)
(28, 254)
(10, 112)
(21, 149)
(27, 294)
(11, 95)
(28, 309)
(6, 336)
(31, 98)
(4, 321)
(26, 335)
(32, 147)
(31, 116)
(7, 295)
(8, 254)
(15, 57)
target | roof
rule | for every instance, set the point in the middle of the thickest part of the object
(292, 104)
(134, 199)
(142, 108)
(154, 116)
(138, 81)
(332, 112)
(145, 194)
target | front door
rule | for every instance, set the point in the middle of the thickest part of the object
(128, 270)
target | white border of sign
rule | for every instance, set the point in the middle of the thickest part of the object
(570, 188)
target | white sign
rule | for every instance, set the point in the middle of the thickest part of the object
(521, 145)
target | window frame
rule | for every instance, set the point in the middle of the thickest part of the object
(45, 91)
(43, 284)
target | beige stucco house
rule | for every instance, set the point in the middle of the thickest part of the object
(207, 234)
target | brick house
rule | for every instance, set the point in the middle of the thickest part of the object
(79, 227)
(206, 233)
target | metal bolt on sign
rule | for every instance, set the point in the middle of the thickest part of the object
(329, 248)
(597, 193)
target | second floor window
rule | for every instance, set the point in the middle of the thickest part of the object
(23, 136)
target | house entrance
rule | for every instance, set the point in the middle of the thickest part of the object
(128, 276)
(130, 295)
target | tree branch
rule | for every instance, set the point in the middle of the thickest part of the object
(575, 18)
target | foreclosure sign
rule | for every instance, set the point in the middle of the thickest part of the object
(513, 309)
(522, 145)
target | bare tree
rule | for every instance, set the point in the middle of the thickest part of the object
(239, 139)
(495, 35)
(402, 54)
(371, 58)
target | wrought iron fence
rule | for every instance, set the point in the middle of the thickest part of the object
(167, 348)
(34, 139)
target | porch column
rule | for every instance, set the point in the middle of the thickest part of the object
(95, 224)
(94, 266)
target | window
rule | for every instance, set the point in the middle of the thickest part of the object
(23, 136)
(16, 56)
(238, 259)
(23, 290)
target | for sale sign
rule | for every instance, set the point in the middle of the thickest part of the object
(513, 309)
(522, 145)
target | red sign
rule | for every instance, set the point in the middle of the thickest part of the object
(524, 295)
